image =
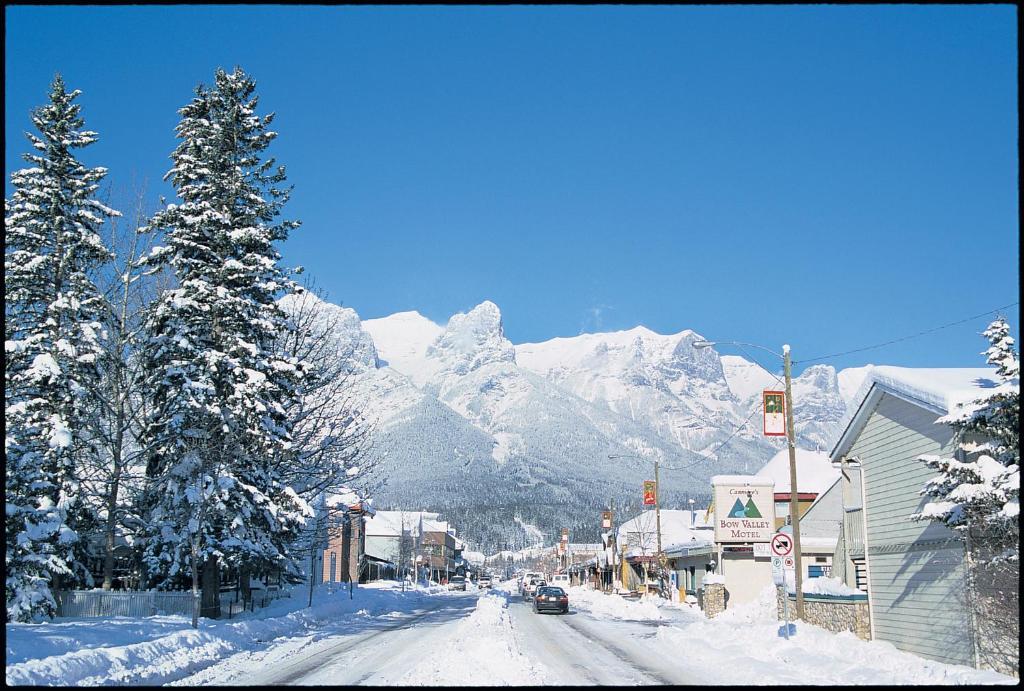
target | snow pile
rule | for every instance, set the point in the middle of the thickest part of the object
(157, 650)
(601, 605)
(482, 650)
(742, 646)
(823, 586)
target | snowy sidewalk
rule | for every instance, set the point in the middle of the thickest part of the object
(742, 646)
(161, 649)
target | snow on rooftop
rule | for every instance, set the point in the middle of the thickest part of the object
(741, 480)
(676, 531)
(345, 496)
(942, 388)
(939, 388)
(814, 471)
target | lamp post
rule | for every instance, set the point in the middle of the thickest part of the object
(791, 437)
(657, 513)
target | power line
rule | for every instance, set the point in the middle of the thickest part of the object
(906, 338)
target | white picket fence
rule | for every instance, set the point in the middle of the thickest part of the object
(109, 603)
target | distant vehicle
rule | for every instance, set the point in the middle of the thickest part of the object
(561, 579)
(526, 579)
(532, 586)
(457, 583)
(550, 598)
(485, 582)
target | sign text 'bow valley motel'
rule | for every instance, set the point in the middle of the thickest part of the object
(744, 508)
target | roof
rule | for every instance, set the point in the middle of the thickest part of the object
(388, 523)
(741, 480)
(814, 471)
(939, 390)
(676, 532)
(350, 498)
(814, 543)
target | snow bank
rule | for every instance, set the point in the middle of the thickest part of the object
(822, 586)
(614, 606)
(742, 646)
(157, 650)
(482, 650)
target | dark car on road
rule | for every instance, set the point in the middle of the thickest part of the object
(551, 599)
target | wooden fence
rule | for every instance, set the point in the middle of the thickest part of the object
(110, 603)
(114, 603)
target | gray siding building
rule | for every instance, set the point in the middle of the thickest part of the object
(914, 571)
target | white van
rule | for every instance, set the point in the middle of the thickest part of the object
(526, 579)
(561, 580)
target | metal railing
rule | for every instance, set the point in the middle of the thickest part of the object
(109, 603)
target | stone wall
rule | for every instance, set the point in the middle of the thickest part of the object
(714, 599)
(831, 613)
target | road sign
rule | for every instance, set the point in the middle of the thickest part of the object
(777, 576)
(782, 544)
(788, 562)
(606, 519)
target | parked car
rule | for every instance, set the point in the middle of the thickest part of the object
(531, 587)
(551, 598)
(560, 579)
(457, 583)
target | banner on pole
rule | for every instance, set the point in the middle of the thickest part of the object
(606, 520)
(774, 413)
(650, 492)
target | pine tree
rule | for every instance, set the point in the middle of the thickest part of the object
(217, 389)
(53, 314)
(980, 492)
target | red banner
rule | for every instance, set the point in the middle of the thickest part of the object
(650, 493)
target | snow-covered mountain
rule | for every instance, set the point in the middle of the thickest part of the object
(500, 435)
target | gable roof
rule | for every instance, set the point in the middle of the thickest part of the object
(939, 390)
(814, 471)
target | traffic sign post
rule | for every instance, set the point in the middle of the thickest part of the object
(783, 561)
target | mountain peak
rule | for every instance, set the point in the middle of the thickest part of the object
(473, 339)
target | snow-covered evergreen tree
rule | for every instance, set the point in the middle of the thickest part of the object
(218, 390)
(53, 314)
(980, 491)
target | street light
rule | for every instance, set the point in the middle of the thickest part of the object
(657, 513)
(791, 437)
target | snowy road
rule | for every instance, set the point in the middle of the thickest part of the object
(377, 652)
(425, 645)
(580, 649)
(389, 636)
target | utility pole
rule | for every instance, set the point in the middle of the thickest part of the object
(612, 538)
(657, 520)
(794, 505)
(657, 505)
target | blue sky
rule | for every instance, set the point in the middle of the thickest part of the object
(825, 176)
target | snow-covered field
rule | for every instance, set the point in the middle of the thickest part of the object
(434, 637)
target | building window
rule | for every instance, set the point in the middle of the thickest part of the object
(334, 567)
(781, 509)
(861, 569)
